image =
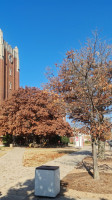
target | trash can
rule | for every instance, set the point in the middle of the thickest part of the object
(11, 145)
(47, 181)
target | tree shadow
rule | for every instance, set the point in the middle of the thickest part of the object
(103, 199)
(25, 191)
(88, 169)
(65, 151)
(72, 153)
(19, 191)
(82, 152)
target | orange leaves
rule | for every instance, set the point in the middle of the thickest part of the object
(108, 87)
(84, 83)
(31, 110)
(101, 130)
(70, 54)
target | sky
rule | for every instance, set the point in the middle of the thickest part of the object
(44, 30)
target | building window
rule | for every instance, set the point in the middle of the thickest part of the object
(10, 85)
(10, 71)
(10, 58)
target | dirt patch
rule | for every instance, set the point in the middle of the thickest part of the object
(82, 181)
(104, 165)
(34, 157)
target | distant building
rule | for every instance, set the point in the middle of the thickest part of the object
(9, 69)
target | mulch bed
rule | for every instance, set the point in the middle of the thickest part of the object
(82, 180)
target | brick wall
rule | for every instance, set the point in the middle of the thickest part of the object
(9, 69)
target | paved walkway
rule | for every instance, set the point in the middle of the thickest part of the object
(17, 182)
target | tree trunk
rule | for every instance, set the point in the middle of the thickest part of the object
(13, 140)
(101, 149)
(95, 163)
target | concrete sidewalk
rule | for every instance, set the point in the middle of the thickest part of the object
(17, 182)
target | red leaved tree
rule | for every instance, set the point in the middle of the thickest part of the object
(33, 111)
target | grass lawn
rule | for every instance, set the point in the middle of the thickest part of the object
(34, 157)
(3, 150)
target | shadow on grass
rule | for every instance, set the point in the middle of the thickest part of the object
(65, 151)
(25, 191)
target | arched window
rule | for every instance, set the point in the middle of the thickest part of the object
(10, 71)
(10, 85)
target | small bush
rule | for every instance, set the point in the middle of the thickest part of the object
(87, 142)
(64, 140)
(7, 139)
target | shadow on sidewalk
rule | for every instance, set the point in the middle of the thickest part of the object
(103, 199)
(19, 191)
(25, 191)
(82, 152)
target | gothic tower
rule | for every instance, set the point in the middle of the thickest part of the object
(9, 69)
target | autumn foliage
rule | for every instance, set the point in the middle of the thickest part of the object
(33, 111)
(84, 83)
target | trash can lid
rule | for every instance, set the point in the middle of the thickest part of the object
(45, 167)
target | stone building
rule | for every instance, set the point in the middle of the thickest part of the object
(9, 69)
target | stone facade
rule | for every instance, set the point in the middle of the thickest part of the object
(9, 69)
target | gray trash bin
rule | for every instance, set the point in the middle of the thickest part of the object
(47, 181)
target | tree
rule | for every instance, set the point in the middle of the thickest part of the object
(84, 83)
(33, 111)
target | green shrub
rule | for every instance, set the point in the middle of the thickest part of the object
(7, 139)
(64, 140)
(87, 142)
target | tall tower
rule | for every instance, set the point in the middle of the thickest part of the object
(9, 69)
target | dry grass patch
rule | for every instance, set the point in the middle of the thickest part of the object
(34, 157)
(4, 150)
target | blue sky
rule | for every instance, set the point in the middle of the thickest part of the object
(44, 30)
